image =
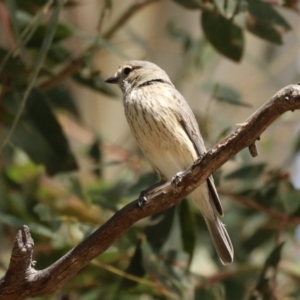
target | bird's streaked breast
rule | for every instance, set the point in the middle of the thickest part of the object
(152, 119)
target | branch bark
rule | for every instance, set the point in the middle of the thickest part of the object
(23, 281)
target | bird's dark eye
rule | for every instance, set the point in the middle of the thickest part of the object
(127, 70)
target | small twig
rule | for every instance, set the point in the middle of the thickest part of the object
(123, 274)
(255, 206)
(253, 150)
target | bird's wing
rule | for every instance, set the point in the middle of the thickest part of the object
(187, 120)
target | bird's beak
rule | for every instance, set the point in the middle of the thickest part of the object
(114, 79)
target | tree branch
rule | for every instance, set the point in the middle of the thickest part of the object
(22, 280)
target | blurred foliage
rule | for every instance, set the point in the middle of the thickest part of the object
(161, 258)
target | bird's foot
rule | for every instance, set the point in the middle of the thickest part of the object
(142, 200)
(177, 179)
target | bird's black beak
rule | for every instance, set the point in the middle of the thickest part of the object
(113, 79)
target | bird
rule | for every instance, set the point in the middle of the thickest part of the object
(168, 134)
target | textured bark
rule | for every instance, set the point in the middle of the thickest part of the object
(23, 281)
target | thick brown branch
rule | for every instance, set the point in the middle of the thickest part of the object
(37, 283)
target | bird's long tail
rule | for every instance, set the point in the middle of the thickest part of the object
(204, 201)
(220, 239)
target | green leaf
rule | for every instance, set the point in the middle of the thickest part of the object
(62, 32)
(263, 289)
(135, 267)
(159, 229)
(290, 197)
(265, 22)
(258, 238)
(13, 66)
(191, 4)
(296, 146)
(188, 228)
(226, 94)
(274, 257)
(39, 134)
(96, 155)
(12, 221)
(223, 34)
(58, 54)
(145, 181)
(215, 292)
(169, 269)
(32, 5)
(247, 172)
(61, 98)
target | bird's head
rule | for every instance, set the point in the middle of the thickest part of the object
(136, 73)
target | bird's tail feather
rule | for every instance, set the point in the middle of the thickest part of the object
(220, 239)
(205, 202)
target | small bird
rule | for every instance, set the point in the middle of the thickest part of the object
(168, 135)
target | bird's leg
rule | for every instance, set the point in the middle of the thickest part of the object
(143, 195)
(177, 179)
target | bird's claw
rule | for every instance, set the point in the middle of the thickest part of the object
(176, 179)
(142, 200)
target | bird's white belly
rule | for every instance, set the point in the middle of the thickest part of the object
(162, 140)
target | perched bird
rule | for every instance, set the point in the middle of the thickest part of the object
(168, 135)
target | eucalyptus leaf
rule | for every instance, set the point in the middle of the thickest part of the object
(265, 22)
(39, 134)
(188, 228)
(226, 94)
(191, 4)
(226, 37)
(247, 172)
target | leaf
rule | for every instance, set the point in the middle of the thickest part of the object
(188, 228)
(258, 238)
(265, 22)
(263, 289)
(223, 34)
(15, 222)
(62, 32)
(61, 98)
(290, 197)
(191, 4)
(39, 134)
(169, 269)
(226, 94)
(274, 257)
(215, 292)
(145, 181)
(13, 66)
(32, 5)
(296, 146)
(159, 229)
(135, 267)
(96, 155)
(247, 172)
(57, 54)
